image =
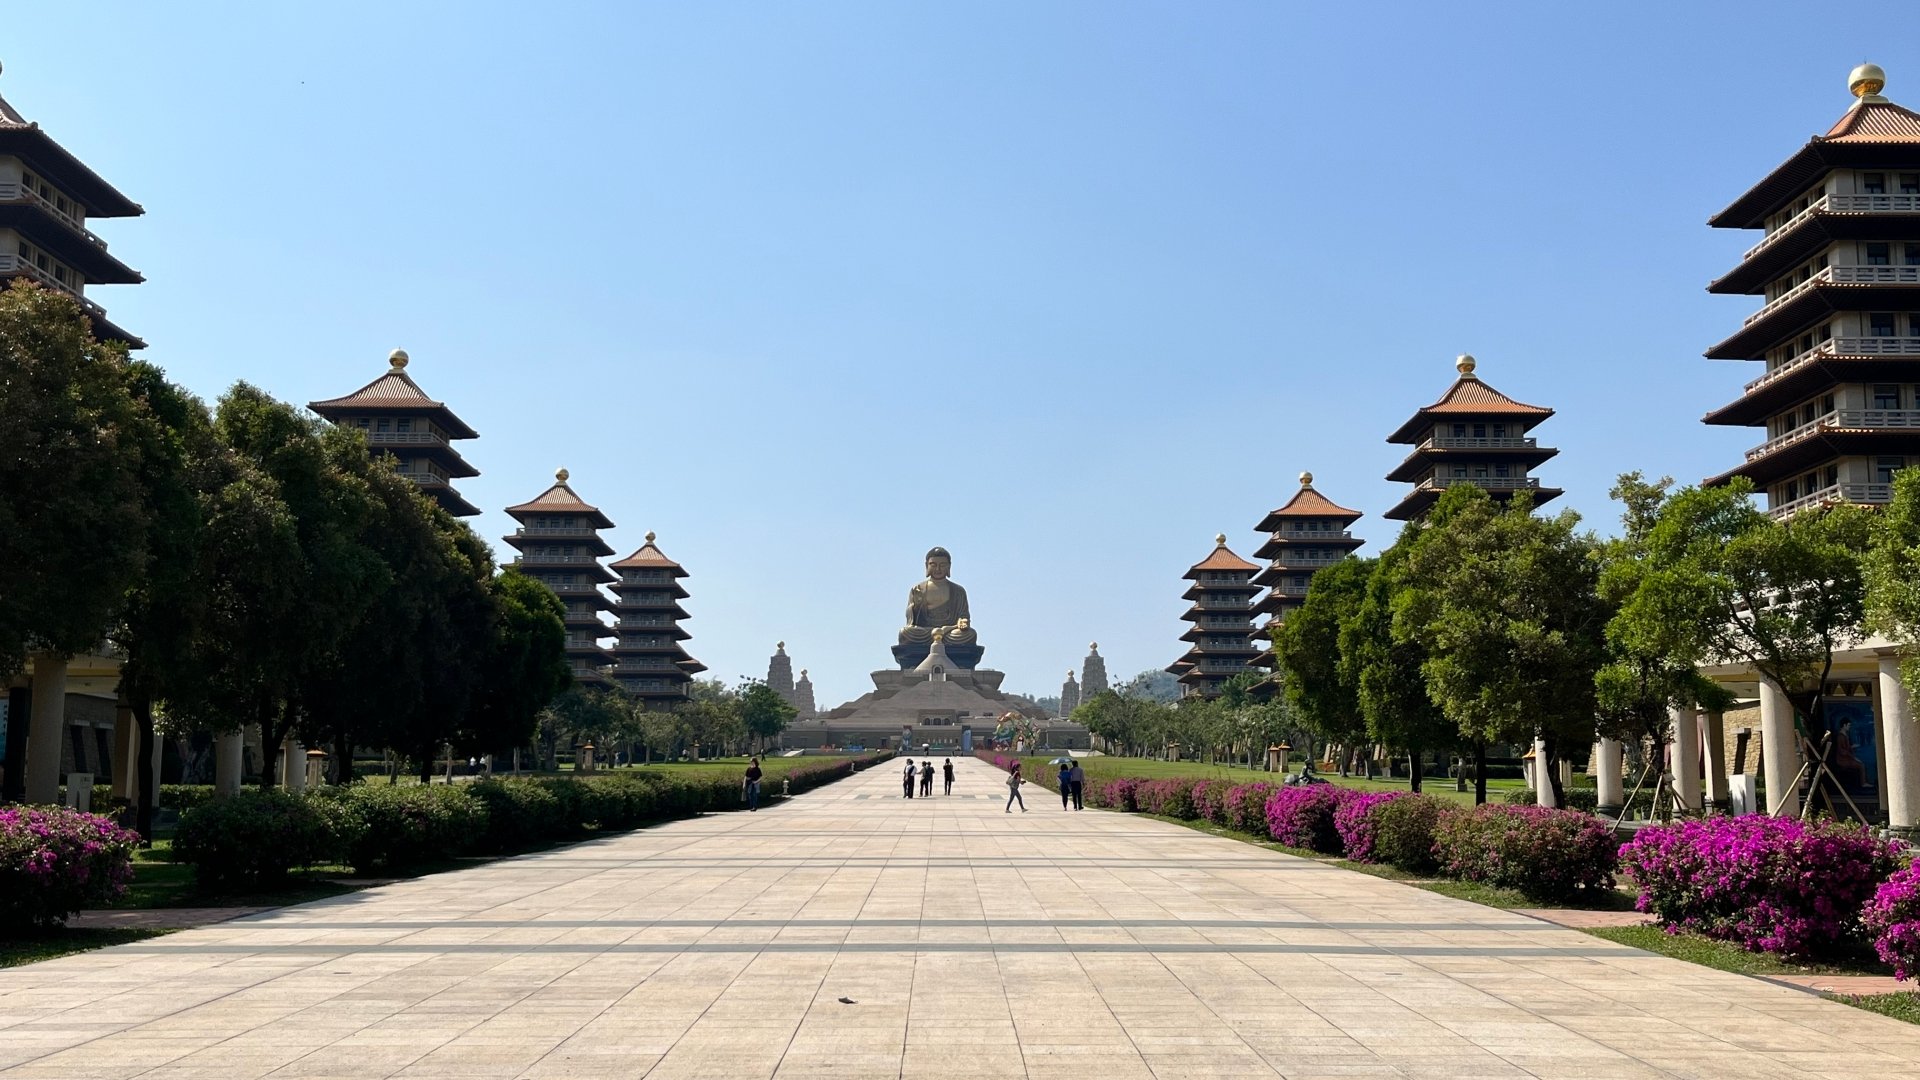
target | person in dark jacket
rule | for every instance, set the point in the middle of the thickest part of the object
(948, 768)
(752, 784)
(906, 780)
(1066, 786)
(1077, 777)
(926, 777)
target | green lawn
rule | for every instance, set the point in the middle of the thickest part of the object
(159, 882)
(1904, 1005)
(1730, 957)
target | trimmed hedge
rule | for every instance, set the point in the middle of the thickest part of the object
(55, 861)
(1302, 816)
(261, 835)
(1548, 855)
(1403, 831)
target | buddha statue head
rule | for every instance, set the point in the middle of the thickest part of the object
(939, 564)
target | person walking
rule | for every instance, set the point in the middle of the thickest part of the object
(1077, 779)
(906, 780)
(1013, 789)
(948, 769)
(1066, 786)
(926, 778)
(752, 785)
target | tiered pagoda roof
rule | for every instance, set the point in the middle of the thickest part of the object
(46, 197)
(560, 545)
(1308, 533)
(1839, 328)
(400, 420)
(1473, 435)
(1222, 616)
(650, 662)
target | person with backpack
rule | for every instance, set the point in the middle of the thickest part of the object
(1013, 789)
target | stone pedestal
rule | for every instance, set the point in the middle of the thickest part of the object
(1610, 783)
(227, 750)
(1779, 752)
(1902, 749)
(1684, 733)
(1714, 731)
(1542, 778)
(45, 728)
(965, 657)
(293, 766)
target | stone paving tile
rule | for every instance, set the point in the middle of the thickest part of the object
(969, 944)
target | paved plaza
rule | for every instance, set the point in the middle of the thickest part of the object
(851, 934)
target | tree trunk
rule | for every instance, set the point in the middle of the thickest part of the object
(1553, 773)
(426, 764)
(1414, 769)
(271, 736)
(343, 757)
(1479, 773)
(145, 752)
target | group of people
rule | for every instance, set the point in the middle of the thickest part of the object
(922, 774)
(1073, 781)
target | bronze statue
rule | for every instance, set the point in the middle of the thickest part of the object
(938, 604)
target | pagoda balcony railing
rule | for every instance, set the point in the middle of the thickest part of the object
(1307, 560)
(1850, 419)
(1840, 204)
(1490, 483)
(15, 263)
(1289, 589)
(661, 666)
(1843, 346)
(1223, 605)
(424, 476)
(1467, 442)
(404, 438)
(1841, 275)
(574, 587)
(554, 530)
(1305, 534)
(1836, 493)
(556, 560)
(646, 579)
(654, 621)
(14, 191)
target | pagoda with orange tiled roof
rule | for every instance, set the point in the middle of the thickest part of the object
(560, 546)
(47, 197)
(1839, 331)
(1222, 616)
(1308, 533)
(650, 663)
(1473, 435)
(401, 421)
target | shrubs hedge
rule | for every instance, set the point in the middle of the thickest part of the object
(1403, 831)
(1302, 817)
(399, 827)
(1356, 823)
(1892, 920)
(256, 837)
(55, 861)
(1168, 798)
(1551, 856)
(1244, 806)
(1766, 883)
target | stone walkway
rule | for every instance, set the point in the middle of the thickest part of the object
(848, 937)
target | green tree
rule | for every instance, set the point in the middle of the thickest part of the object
(1505, 604)
(1893, 575)
(1322, 693)
(525, 667)
(764, 713)
(1726, 583)
(1385, 660)
(73, 524)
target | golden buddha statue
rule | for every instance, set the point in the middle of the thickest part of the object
(938, 604)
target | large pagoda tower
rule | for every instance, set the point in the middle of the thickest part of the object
(46, 197)
(401, 421)
(1222, 616)
(1473, 435)
(780, 672)
(1838, 266)
(560, 546)
(1069, 695)
(1308, 533)
(650, 663)
(1093, 673)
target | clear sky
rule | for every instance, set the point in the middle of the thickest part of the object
(1064, 287)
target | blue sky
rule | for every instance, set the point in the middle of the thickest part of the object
(1064, 287)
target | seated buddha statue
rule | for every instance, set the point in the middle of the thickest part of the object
(938, 604)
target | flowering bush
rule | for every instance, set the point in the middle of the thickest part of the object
(257, 836)
(1210, 800)
(1766, 883)
(1302, 817)
(1548, 855)
(1244, 806)
(55, 861)
(1403, 831)
(1892, 920)
(1120, 793)
(1356, 823)
(1168, 798)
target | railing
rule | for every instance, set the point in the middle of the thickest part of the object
(1206, 604)
(1841, 275)
(1307, 560)
(1844, 346)
(1465, 442)
(404, 438)
(1872, 204)
(14, 191)
(1287, 589)
(1855, 419)
(1787, 226)
(553, 530)
(574, 587)
(529, 560)
(425, 478)
(652, 622)
(1854, 493)
(15, 263)
(631, 665)
(1307, 534)
(646, 579)
(1491, 483)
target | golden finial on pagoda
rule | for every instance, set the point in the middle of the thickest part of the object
(780, 646)
(1220, 539)
(1866, 81)
(1465, 364)
(1094, 647)
(398, 358)
(1306, 479)
(649, 536)
(561, 475)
